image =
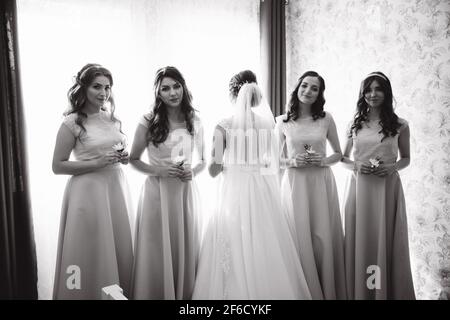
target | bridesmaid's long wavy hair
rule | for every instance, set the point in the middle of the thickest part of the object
(158, 129)
(77, 94)
(388, 119)
(293, 109)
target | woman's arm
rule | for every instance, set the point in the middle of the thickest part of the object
(403, 162)
(333, 139)
(199, 147)
(218, 147)
(356, 166)
(65, 142)
(346, 161)
(285, 162)
(404, 149)
(138, 147)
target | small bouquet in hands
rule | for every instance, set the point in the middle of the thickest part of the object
(179, 161)
(375, 162)
(309, 150)
(119, 147)
(186, 174)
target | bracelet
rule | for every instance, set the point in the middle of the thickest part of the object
(355, 169)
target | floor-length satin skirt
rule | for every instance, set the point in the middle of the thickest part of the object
(95, 240)
(376, 238)
(318, 229)
(167, 239)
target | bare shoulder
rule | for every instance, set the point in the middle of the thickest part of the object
(280, 119)
(225, 123)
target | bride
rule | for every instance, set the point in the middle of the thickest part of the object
(247, 251)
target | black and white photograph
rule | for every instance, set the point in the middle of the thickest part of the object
(247, 151)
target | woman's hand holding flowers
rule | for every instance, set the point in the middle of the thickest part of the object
(314, 159)
(300, 160)
(384, 170)
(124, 157)
(375, 166)
(363, 167)
(187, 175)
(311, 157)
(173, 171)
(119, 148)
(110, 157)
(180, 171)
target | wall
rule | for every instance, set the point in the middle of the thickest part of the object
(409, 41)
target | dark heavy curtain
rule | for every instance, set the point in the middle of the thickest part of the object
(273, 53)
(18, 267)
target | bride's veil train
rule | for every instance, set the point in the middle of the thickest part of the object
(248, 251)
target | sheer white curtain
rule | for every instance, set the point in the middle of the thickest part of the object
(208, 40)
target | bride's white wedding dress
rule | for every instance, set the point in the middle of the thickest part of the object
(248, 251)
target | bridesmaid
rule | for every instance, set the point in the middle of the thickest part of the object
(309, 188)
(376, 232)
(167, 229)
(95, 244)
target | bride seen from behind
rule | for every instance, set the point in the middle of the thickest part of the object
(247, 251)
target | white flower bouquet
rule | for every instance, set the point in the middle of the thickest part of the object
(309, 150)
(375, 162)
(179, 161)
(119, 147)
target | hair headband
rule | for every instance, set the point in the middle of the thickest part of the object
(373, 74)
(81, 74)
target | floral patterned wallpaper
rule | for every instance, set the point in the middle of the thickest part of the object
(410, 42)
